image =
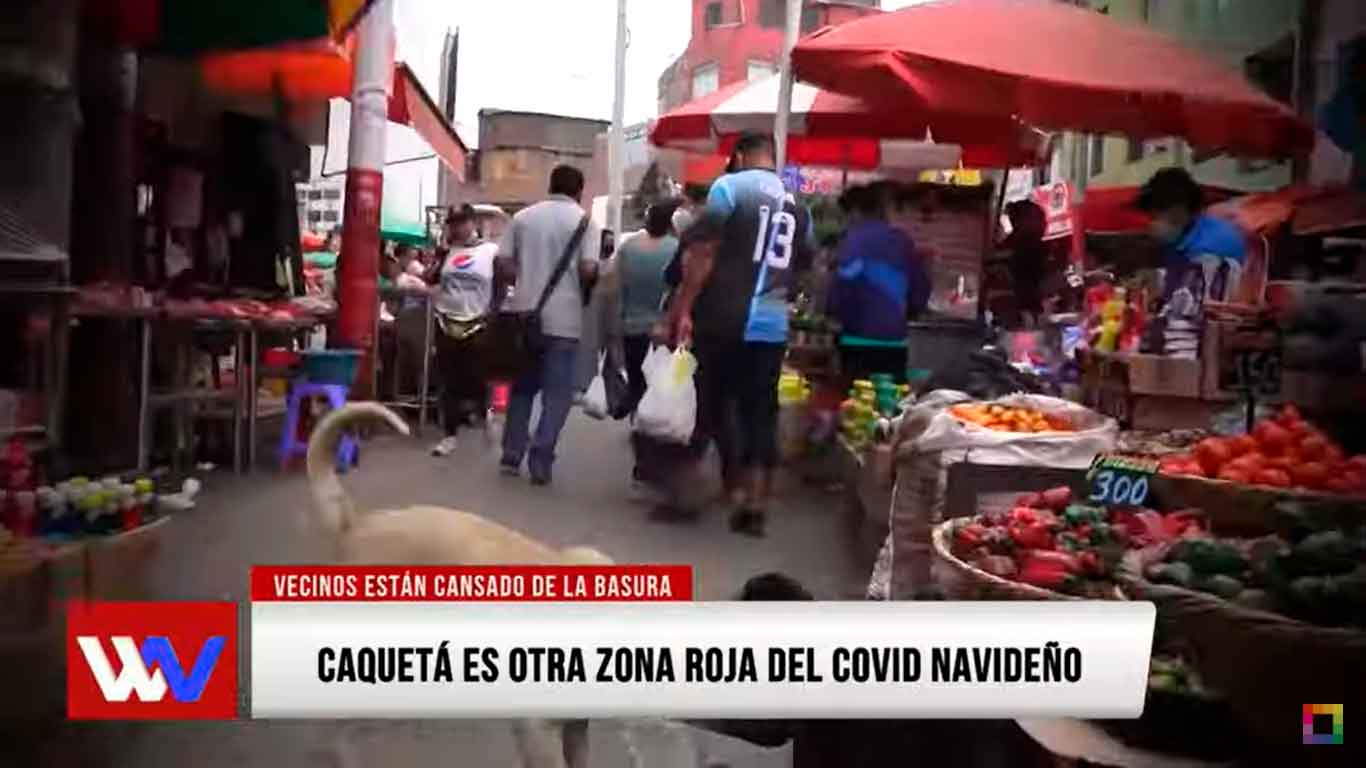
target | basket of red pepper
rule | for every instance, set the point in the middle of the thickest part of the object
(1048, 548)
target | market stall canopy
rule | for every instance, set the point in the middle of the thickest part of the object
(1332, 212)
(1053, 66)
(840, 131)
(400, 230)
(318, 70)
(196, 26)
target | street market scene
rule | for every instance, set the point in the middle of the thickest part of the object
(834, 300)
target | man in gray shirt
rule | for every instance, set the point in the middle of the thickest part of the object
(532, 246)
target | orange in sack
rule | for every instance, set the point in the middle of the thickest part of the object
(1009, 419)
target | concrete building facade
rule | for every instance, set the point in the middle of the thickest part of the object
(737, 40)
(518, 150)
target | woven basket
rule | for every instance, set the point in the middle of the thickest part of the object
(961, 581)
(1268, 665)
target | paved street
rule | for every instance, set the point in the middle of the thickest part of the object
(240, 522)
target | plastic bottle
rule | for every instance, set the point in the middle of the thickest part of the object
(496, 418)
(145, 495)
(130, 514)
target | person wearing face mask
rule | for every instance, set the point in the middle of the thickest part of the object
(1192, 239)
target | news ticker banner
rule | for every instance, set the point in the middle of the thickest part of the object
(626, 642)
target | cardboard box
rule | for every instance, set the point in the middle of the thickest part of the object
(1167, 376)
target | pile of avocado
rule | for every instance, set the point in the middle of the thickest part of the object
(1313, 569)
(1171, 674)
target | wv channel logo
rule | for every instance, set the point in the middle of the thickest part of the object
(151, 661)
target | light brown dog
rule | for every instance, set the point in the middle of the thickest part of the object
(431, 535)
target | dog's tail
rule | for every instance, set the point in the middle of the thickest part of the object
(333, 506)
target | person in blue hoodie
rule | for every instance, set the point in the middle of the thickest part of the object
(879, 283)
(1192, 239)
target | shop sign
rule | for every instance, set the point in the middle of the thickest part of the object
(1056, 202)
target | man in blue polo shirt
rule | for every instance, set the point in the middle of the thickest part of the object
(744, 254)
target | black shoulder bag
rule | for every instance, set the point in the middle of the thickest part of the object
(517, 336)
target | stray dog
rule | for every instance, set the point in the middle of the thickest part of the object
(431, 535)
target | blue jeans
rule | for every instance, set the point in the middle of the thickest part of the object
(553, 379)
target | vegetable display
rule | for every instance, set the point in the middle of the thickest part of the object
(1047, 541)
(1313, 570)
(1284, 452)
(1010, 419)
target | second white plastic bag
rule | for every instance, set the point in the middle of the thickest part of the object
(668, 411)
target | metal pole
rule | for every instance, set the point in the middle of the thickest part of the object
(780, 121)
(358, 267)
(616, 150)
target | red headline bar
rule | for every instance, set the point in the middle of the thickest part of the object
(492, 583)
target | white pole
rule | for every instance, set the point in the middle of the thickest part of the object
(781, 119)
(616, 150)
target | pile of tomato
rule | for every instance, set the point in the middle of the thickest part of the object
(1282, 452)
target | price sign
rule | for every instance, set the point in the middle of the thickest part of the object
(1251, 362)
(1257, 371)
(1120, 481)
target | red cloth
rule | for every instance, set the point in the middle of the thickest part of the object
(1053, 66)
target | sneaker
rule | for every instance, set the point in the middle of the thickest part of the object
(539, 479)
(510, 468)
(446, 447)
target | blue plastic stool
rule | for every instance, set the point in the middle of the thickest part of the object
(348, 452)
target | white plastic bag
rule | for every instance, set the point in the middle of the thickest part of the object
(668, 411)
(595, 399)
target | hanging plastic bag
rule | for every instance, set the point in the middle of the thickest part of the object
(668, 411)
(595, 399)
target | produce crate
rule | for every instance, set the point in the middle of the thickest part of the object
(1266, 664)
(1148, 391)
(1139, 374)
(1233, 509)
(117, 566)
(36, 584)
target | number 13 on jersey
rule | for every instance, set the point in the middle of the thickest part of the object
(774, 241)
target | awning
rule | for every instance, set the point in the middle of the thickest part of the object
(410, 105)
(317, 71)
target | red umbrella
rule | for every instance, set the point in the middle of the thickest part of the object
(836, 130)
(1051, 65)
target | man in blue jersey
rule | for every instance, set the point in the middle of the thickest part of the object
(743, 258)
